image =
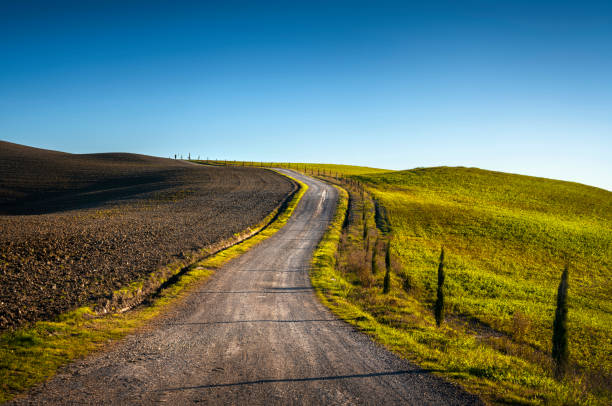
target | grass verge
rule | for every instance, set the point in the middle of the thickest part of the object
(30, 355)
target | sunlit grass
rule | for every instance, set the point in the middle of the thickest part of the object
(330, 169)
(506, 238)
(333, 169)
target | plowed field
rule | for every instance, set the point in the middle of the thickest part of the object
(75, 227)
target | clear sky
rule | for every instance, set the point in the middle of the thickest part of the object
(517, 86)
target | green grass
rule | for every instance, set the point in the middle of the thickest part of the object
(30, 355)
(343, 170)
(506, 238)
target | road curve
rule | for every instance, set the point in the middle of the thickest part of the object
(255, 333)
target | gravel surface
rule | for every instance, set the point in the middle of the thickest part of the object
(255, 333)
(73, 228)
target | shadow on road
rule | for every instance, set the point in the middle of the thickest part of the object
(289, 380)
(273, 270)
(292, 289)
(255, 321)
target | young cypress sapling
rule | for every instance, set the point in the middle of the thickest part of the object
(560, 352)
(374, 263)
(439, 307)
(387, 280)
(365, 222)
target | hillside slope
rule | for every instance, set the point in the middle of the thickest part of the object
(37, 180)
(506, 238)
(310, 168)
(509, 225)
(335, 169)
(74, 228)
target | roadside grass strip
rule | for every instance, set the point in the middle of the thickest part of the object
(30, 355)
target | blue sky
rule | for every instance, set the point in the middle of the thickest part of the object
(523, 87)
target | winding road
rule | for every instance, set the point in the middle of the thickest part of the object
(254, 334)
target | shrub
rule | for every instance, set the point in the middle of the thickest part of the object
(521, 326)
(365, 277)
(407, 282)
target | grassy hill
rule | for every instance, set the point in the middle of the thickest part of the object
(507, 238)
(344, 170)
(333, 169)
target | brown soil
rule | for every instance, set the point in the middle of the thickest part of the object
(75, 227)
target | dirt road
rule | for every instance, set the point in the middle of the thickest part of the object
(254, 334)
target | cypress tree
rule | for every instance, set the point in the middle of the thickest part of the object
(560, 351)
(363, 206)
(365, 222)
(387, 280)
(374, 263)
(439, 307)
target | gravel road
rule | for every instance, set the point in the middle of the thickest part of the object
(255, 333)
